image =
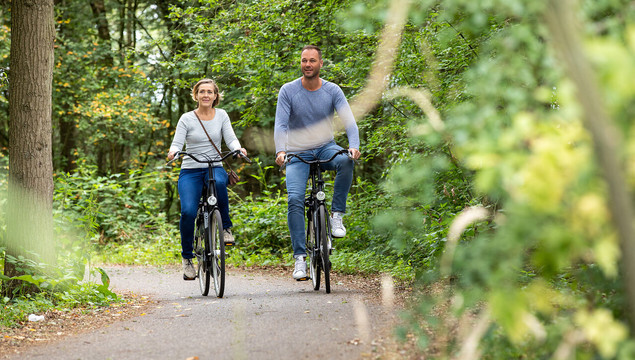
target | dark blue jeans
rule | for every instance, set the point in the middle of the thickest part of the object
(191, 184)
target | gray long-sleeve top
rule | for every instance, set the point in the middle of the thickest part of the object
(304, 119)
(189, 133)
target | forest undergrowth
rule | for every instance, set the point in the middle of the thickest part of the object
(481, 180)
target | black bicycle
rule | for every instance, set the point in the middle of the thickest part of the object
(209, 244)
(318, 237)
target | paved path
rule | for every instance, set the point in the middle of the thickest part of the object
(260, 317)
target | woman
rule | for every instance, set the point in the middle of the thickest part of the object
(194, 176)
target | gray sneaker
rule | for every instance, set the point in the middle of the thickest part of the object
(299, 273)
(189, 273)
(228, 237)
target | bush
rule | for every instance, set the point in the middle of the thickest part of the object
(42, 288)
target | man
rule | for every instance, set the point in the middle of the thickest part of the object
(304, 126)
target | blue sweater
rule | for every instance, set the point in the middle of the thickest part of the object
(304, 119)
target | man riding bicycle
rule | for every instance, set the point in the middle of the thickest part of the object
(304, 126)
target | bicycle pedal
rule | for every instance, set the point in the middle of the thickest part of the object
(303, 279)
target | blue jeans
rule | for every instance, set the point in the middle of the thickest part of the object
(191, 185)
(297, 177)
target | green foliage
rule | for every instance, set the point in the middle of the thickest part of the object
(517, 128)
(55, 288)
(143, 246)
(4, 57)
(125, 213)
(370, 262)
(102, 98)
(261, 224)
(41, 287)
(542, 267)
(121, 203)
(255, 49)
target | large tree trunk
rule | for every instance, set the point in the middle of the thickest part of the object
(30, 200)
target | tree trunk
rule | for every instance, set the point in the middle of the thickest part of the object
(30, 199)
(67, 132)
(103, 30)
(122, 28)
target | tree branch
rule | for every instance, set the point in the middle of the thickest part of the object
(606, 140)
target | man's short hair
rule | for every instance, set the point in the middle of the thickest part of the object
(312, 47)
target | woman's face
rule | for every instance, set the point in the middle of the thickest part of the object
(206, 95)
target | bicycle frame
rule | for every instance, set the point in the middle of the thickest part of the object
(318, 236)
(316, 194)
(212, 260)
(209, 200)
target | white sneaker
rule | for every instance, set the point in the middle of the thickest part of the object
(299, 273)
(228, 237)
(189, 273)
(337, 227)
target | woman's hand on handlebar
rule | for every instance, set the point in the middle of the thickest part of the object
(242, 152)
(355, 154)
(171, 155)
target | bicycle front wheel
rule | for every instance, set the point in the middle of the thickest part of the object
(324, 243)
(218, 253)
(200, 250)
(312, 251)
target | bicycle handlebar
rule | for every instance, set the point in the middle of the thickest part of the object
(288, 157)
(235, 153)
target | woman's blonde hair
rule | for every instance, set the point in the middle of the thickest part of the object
(206, 81)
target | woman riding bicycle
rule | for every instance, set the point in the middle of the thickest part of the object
(193, 175)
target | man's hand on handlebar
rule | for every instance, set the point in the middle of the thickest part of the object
(281, 158)
(355, 154)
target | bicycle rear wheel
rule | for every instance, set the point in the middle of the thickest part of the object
(200, 250)
(312, 251)
(218, 253)
(324, 246)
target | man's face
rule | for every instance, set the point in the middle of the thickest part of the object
(310, 63)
